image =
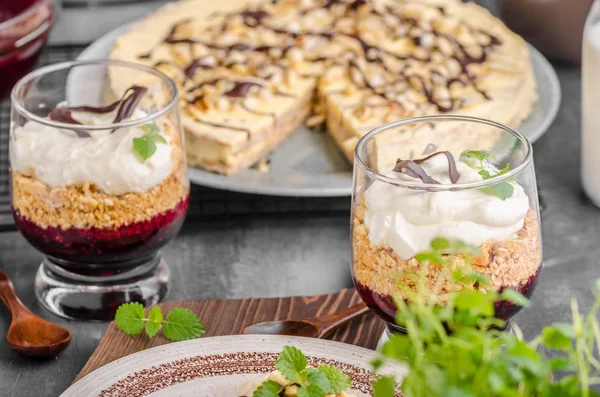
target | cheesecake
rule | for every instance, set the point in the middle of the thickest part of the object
(250, 73)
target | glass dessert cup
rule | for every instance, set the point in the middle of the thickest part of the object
(452, 177)
(98, 182)
(24, 28)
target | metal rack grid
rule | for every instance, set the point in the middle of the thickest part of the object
(204, 202)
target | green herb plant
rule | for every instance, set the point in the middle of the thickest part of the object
(311, 382)
(457, 350)
(145, 146)
(502, 190)
(180, 324)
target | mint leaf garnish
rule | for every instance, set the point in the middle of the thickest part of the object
(291, 363)
(338, 380)
(310, 391)
(317, 378)
(150, 129)
(155, 320)
(384, 387)
(130, 318)
(268, 389)
(145, 146)
(182, 324)
(478, 155)
(503, 190)
(311, 382)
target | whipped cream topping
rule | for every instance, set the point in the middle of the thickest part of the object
(407, 220)
(58, 157)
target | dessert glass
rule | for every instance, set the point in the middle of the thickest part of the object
(24, 28)
(396, 214)
(98, 182)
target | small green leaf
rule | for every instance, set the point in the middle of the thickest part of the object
(338, 380)
(477, 154)
(502, 190)
(513, 296)
(562, 364)
(317, 378)
(130, 318)
(456, 392)
(268, 389)
(310, 391)
(161, 139)
(150, 129)
(558, 337)
(429, 256)
(182, 324)
(155, 320)
(145, 147)
(376, 363)
(439, 244)
(485, 174)
(476, 302)
(290, 363)
(384, 387)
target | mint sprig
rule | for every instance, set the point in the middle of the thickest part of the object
(311, 382)
(478, 155)
(180, 324)
(145, 146)
(503, 190)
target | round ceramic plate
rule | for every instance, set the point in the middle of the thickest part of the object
(309, 164)
(216, 367)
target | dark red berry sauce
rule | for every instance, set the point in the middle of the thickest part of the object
(384, 306)
(80, 248)
(18, 56)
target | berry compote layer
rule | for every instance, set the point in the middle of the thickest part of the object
(22, 42)
(105, 246)
(383, 305)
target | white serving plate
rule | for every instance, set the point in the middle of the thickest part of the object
(309, 164)
(217, 367)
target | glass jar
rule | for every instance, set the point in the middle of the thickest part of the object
(98, 182)
(452, 177)
(24, 29)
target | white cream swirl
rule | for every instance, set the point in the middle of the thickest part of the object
(407, 220)
(59, 157)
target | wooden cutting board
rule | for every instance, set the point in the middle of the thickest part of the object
(229, 317)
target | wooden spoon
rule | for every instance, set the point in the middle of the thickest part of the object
(317, 327)
(29, 334)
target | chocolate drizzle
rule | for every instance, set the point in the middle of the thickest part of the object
(129, 102)
(374, 53)
(413, 168)
(254, 18)
(125, 108)
(241, 89)
(196, 64)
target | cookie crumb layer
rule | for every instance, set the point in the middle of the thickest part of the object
(85, 206)
(507, 264)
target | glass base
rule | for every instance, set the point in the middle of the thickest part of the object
(78, 296)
